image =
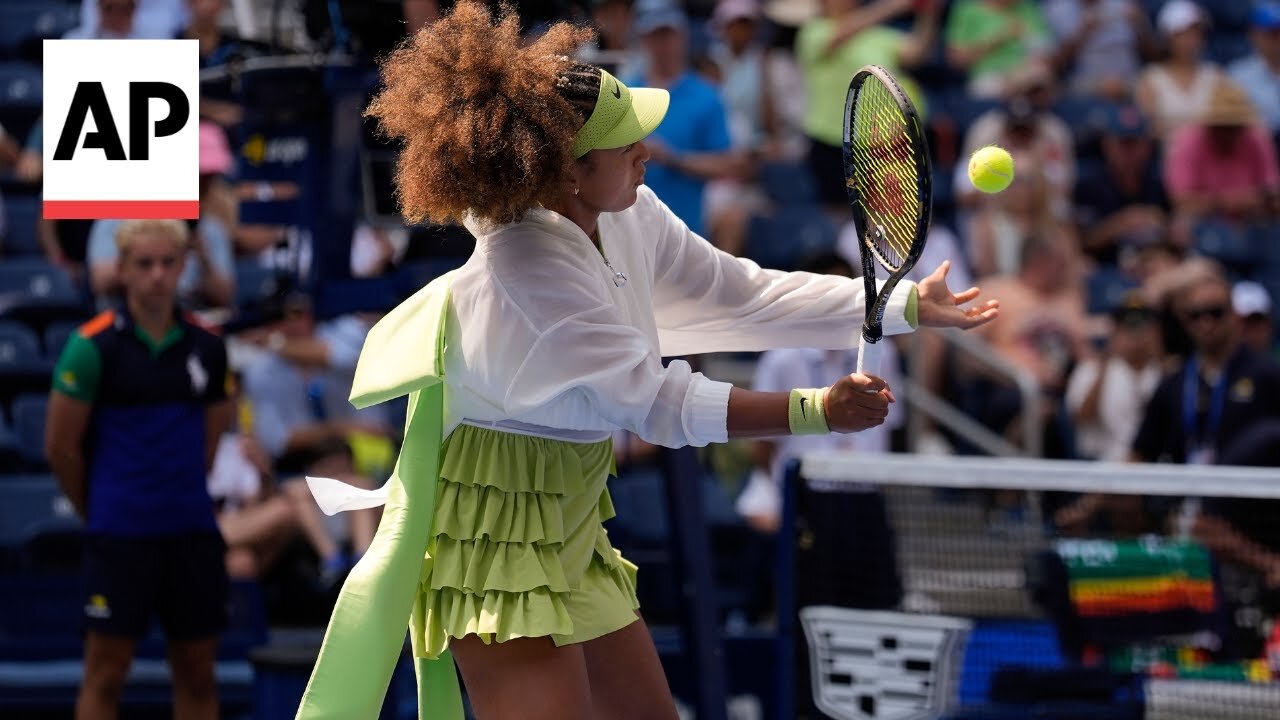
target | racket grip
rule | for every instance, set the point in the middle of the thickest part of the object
(869, 355)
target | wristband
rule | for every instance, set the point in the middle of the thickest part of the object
(805, 412)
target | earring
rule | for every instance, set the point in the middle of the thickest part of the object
(575, 190)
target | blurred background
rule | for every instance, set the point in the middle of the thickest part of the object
(1144, 133)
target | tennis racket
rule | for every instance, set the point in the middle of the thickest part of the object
(888, 176)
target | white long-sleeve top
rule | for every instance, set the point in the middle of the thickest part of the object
(540, 340)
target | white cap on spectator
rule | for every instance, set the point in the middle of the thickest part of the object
(1178, 15)
(1250, 298)
(729, 10)
(792, 13)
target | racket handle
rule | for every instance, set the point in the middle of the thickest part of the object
(869, 355)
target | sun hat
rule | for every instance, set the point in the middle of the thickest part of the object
(622, 116)
(729, 10)
(215, 153)
(1178, 15)
(1228, 106)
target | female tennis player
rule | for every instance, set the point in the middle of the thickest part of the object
(550, 337)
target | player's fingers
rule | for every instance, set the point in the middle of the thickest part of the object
(966, 296)
(867, 383)
(983, 314)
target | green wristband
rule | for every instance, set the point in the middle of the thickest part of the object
(805, 412)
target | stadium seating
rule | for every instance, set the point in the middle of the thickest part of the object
(35, 279)
(21, 94)
(782, 239)
(21, 226)
(55, 338)
(29, 413)
(24, 23)
(1105, 289)
(788, 183)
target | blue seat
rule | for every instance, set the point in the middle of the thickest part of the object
(29, 412)
(30, 505)
(255, 282)
(1228, 244)
(21, 237)
(788, 183)
(21, 85)
(23, 23)
(1226, 47)
(55, 338)
(35, 278)
(19, 346)
(1105, 289)
(781, 240)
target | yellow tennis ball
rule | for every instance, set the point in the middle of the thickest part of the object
(991, 169)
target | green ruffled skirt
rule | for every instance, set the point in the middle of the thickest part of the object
(518, 545)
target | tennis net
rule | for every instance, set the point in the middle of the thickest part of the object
(976, 588)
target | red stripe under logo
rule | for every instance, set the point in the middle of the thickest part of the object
(121, 209)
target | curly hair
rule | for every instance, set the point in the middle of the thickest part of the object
(486, 123)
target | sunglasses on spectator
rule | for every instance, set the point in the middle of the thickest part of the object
(1213, 312)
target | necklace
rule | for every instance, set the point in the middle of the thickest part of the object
(619, 279)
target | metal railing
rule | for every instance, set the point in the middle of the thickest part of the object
(929, 406)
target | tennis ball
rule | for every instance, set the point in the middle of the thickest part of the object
(991, 169)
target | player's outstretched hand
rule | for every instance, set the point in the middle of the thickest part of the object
(857, 402)
(939, 307)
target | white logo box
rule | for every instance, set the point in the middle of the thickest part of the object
(90, 185)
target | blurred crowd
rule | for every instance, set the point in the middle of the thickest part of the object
(1138, 246)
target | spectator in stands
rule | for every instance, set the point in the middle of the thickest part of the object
(613, 48)
(152, 19)
(1101, 45)
(830, 49)
(138, 402)
(1001, 223)
(1124, 206)
(1222, 389)
(1223, 165)
(208, 279)
(786, 80)
(257, 519)
(739, 59)
(298, 391)
(1108, 393)
(1259, 73)
(1178, 89)
(692, 145)
(1253, 305)
(115, 21)
(1037, 138)
(63, 242)
(217, 46)
(1042, 330)
(990, 39)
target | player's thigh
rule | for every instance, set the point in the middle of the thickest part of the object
(627, 680)
(524, 679)
(107, 659)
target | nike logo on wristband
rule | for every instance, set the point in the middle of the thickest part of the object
(803, 414)
(617, 92)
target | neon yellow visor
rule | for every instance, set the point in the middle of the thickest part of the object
(622, 116)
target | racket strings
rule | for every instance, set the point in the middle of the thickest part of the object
(884, 173)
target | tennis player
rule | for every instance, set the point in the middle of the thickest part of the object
(550, 337)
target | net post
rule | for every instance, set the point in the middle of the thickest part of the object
(700, 625)
(786, 595)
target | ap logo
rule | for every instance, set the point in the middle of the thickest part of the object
(121, 132)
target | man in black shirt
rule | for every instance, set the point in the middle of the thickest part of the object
(1222, 389)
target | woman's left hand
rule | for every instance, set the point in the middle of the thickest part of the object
(939, 307)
